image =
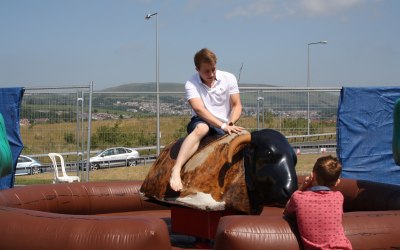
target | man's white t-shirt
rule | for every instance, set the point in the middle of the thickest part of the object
(217, 98)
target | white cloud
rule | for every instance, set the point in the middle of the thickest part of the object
(282, 8)
(320, 7)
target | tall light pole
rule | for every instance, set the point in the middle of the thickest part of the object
(147, 17)
(308, 83)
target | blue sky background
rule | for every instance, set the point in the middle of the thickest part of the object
(73, 42)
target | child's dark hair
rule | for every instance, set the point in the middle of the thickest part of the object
(328, 170)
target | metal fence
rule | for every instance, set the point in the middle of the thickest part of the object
(57, 119)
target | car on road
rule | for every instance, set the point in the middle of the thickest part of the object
(113, 157)
(28, 165)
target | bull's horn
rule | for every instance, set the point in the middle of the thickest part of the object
(239, 140)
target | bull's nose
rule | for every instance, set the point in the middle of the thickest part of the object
(291, 187)
(288, 189)
(287, 192)
(281, 196)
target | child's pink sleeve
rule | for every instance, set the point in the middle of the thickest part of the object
(290, 208)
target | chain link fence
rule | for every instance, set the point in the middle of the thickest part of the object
(56, 119)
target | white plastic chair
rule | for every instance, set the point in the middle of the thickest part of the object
(64, 177)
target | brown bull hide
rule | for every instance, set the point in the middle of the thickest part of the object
(210, 182)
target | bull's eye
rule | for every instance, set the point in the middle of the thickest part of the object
(269, 155)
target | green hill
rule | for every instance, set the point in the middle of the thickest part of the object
(147, 87)
(287, 100)
(164, 87)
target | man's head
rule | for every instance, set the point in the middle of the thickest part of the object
(327, 170)
(205, 61)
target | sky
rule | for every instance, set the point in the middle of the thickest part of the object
(73, 42)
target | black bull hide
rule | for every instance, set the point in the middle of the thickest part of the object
(234, 172)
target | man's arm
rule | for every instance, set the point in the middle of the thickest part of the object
(198, 107)
(236, 108)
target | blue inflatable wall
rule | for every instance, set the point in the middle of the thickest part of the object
(364, 133)
(10, 105)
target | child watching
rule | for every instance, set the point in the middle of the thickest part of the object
(318, 209)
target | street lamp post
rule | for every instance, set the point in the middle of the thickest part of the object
(308, 83)
(147, 17)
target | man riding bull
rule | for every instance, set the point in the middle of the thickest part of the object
(215, 101)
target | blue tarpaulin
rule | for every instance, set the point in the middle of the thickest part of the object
(364, 133)
(10, 105)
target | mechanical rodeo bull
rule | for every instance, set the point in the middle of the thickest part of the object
(238, 172)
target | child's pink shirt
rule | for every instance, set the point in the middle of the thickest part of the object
(319, 219)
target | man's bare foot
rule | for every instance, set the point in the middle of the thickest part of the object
(175, 181)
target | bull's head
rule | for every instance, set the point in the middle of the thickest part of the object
(269, 162)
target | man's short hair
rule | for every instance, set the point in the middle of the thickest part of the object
(204, 56)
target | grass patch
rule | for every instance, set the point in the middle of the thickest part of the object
(304, 166)
(111, 174)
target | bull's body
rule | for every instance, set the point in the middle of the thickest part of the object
(209, 183)
(214, 178)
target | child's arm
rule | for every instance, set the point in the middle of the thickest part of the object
(290, 209)
(306, 184)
